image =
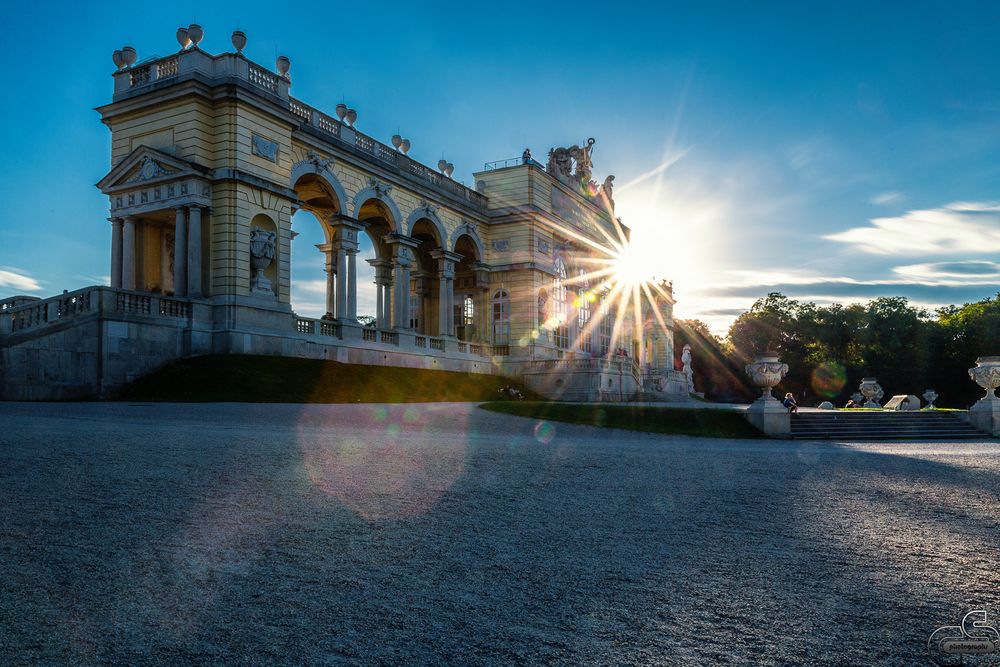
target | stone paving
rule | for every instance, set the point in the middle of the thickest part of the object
(443, 534)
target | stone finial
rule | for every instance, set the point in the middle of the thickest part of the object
(351, 117)
(442, 164)
(195, 34)
(283, 64)
(129, 56)
(405, 146)
(341, 111)
(239, 39)
(119, 58)
(397, 141)
(183, 38)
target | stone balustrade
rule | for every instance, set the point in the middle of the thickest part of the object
(233, 66)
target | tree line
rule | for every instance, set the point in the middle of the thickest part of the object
(830, 348)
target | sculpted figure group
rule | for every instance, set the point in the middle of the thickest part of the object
(561, 161)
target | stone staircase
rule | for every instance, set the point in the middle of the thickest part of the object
(863, 425)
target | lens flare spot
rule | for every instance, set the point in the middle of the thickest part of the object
(544, 432)
(392, 430)
(411, 415)
(380, 414)
(828, 379)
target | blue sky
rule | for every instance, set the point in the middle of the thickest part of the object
(835, 152)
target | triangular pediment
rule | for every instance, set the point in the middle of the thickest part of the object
(146, 165)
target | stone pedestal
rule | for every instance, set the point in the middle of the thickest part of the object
(985, 416)
(770, 417)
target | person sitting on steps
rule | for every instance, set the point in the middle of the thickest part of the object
(790, 403)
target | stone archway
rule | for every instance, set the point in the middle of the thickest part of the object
(323, 198)
(471, 287)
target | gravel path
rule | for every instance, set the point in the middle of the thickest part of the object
(444, 534)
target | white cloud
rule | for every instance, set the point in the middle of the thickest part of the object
(885, 198)
(958, 228)
(968, 272)
(18, 280)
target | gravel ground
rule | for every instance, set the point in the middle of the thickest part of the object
(442, 534)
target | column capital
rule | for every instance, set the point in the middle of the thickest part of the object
(397, 239)
(447, 255)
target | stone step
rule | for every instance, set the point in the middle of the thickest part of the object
(882, 426)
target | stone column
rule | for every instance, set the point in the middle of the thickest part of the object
(401, 279)
(352, 286)
(330, 267)
(128, 253)
(383, 280)
(116, 252)
(194, 251)
(341, 300)
(450, 312)
(446, 290)
(443, 302)
(180, 251)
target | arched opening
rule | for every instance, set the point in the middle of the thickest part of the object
(469, 289)
(376, 280)
(424, 279)
(312, 284)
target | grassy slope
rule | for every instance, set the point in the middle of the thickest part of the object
(684, 421)
(258, 379)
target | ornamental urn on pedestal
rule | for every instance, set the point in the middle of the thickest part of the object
(871, 390)
(987, 375)
(766, 371)
(930, 396)
(262, 249)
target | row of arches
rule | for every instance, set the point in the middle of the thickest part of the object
(410, 273)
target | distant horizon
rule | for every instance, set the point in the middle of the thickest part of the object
(810, 151)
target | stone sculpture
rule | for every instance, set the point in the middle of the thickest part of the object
(987, 375)
(688, 371)
(766, 371)
(930, 396)
(871, 390)
(607, 189)
(262, 247)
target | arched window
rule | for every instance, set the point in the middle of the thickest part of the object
(560, 335)
(501, 318)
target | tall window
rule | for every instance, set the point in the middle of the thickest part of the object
(415, 303)
(501, 318)
(583, 314)
(560, 335)
(468, 311)
(607, 325)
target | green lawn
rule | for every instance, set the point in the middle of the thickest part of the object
(260, 379)
(682, 421)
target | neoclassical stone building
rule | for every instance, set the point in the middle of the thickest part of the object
(211, 156)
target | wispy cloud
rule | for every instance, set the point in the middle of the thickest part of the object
(886, 198)
(19, 280)
(958, 228)
(968, 272)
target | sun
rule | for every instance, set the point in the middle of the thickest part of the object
(637, 265)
